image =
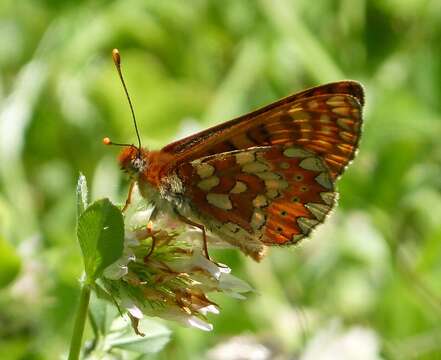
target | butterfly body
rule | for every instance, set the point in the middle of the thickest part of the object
(266, 178)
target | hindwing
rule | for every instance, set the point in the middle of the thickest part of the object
(268, 195)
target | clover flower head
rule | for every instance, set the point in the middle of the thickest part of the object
(171, 282)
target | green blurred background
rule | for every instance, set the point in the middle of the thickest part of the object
(370, 278)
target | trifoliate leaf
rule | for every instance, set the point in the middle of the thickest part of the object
(100, 232)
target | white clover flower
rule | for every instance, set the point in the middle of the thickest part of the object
(174, 281)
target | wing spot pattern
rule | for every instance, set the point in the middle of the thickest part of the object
(336, 101)
(276, 184)
(297, 237)
(297, 114)
(255, 167)
(258, 219)
(239, 187)
(306, 224)
(347, 137)
(325, 119)
(208, 183)
(318, 210)
(313, 164)
(260, 201)
(345, 123)
(304, 188)
(268, 175)
(245, 157)
(272, 193)
(324, 180)
(328, 197)
(313, 104)
(204, 170)
(342, 111)
(220, 201)
(296, 152)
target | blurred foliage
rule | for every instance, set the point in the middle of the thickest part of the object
(190, 64)
(9, 263)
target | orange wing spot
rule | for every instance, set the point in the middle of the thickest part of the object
(343, 110)
(346, 123)
(321, 146)
(297, 114)
(348, 137)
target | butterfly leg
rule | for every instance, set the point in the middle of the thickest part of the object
(151, 233)
(129, 196)
(199, 226)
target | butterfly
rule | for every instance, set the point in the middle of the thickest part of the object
(263, 179)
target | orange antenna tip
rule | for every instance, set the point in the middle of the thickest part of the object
(116, 57)
(107, 141)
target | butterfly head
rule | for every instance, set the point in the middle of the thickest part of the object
(133, 160)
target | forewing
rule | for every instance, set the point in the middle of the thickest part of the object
(275, 195)
(325, 120)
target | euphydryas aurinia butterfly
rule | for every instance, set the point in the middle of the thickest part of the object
(265, 178)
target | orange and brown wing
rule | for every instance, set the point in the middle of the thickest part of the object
(272, 195)
(325, 120)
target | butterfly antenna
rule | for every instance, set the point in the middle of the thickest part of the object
(107, 141)
(117, 60)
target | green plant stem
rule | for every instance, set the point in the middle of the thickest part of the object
(80, 322)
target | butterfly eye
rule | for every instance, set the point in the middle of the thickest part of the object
(138, 164)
